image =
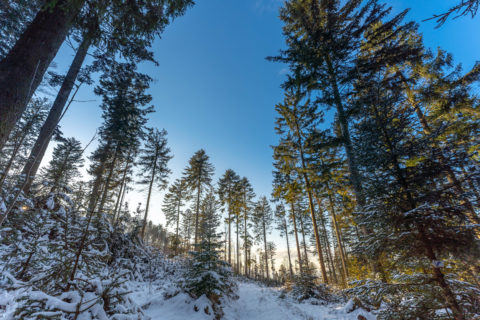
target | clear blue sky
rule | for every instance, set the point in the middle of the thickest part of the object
(215, 90)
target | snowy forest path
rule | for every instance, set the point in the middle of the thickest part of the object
(260, 303)
(254, 303)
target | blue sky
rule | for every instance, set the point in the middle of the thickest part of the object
(215, 90)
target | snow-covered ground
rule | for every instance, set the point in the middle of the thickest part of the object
(254, 303)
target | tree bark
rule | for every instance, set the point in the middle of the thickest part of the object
(46, 132)
(22, 70)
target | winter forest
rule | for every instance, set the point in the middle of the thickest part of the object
(372, 209)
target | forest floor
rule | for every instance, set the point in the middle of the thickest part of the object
(254, 303)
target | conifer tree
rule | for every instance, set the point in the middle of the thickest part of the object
(228, 195)
(281, 221)
(23, 68)
(246, 195)
(188, 226)
(153, 163)
(262, 220)
(323, 38)
(297, 119)
(198, 176)
(207, 274)
(409, 207)
(22, 138)
(172, 208)
(286, 187)
(93, 29)
(125, 109)
(67, 159)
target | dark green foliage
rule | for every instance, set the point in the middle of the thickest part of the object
(173, 202)
(67, 159)
(153, 161)
(198, 176)
(207, 274)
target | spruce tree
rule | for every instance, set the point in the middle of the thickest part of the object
(23, 68)
(246, 195)
(409, 206)
(281, 222)
(172, 208)
(67, 159)
(13, 155)
(198, 176)
(323, 39)
(228, 195)
(207, 274)
(297, 119)
(93, 29)
(262, 220)
(125, 106)
(153, 161)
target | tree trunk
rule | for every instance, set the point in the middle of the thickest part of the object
(439, 277)
(288, 247)
(22, 70)
(197, 213)
(337, 234)
(310, 203)
(429, 252)
(265, 246)
(177, 239)
(237, 267)
(122, 186)
(328, 250)
(107, 182)
(90, 211)
(355, 177)
(142, 235)
(305, 253)
(24, 132)
(12, 158)
(229, 234)
(245, 239)
(299, 254)
(46, 132)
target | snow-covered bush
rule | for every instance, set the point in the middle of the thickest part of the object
(305, 287)
(66, 264)
(413, 297)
